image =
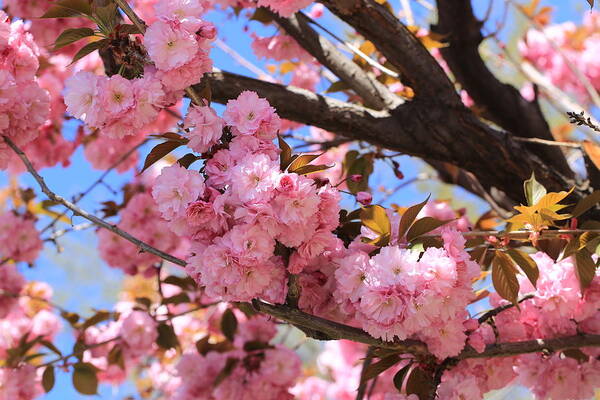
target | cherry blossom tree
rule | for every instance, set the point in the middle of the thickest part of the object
(268, 220)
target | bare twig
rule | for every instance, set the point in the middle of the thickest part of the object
(79, 211)
(492, 313)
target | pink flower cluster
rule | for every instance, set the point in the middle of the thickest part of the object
(178, 43)
(28, 316)
(402, 294)
(285, 8)
(579, 48)
(141, 218)
(24, 105)
(279, 47)
(265, 372)
(19, 239)
(115, 105)
(244, 204)
(134, 334)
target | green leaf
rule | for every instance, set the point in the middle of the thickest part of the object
(128, 29)
(115, 357)
(338, 86)
(419, 382)
(262, 15)
(534, 190)
(100, 316)
(362, 165)
(159, 151)
(85, 380)
(182, 282)
(380, 366)
(586, 203)
(311, 169)
(375, 218)
(50, 346)
(70, 317)
(48, 378)
(399, 377)
(179, 298)
(106, 16)
(504, 277)
(167, 339)
(229, 324)
(423, 226)
(71, 36)
(301, 161)
(409, 217)
(528, 266)
(146, 302)
(585, 268)
(255, 345)
(89, 48)
(285, 157)
(230, 365)
(68, 8)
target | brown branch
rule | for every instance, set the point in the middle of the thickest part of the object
(330, 330)
(532, 346)
(399, 46)
(321, 328)
(374, 93)
(90, 217)
(503, 103)
(492, 313)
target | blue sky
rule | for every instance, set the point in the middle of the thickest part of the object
(81, 280)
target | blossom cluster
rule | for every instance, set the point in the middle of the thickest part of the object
(244, 205)
(400, 293)
(141, 218)
(24, 105)
(260, 370)
(563, 51)
(28, 315)
(177, 45)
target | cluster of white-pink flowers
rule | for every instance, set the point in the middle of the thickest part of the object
(141, 218)
(400, 293)
(260, 370)
(25, 316)
(177, 43)
(564, 51)
(243, 204)
(24, 105)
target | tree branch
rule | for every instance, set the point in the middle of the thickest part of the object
(399, 46)
(503, 104)
(90, 217)
(432, 131)
(324, 329)
(374, 93)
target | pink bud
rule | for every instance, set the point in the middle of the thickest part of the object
(364, 198)
(316, 11)
(356, 178)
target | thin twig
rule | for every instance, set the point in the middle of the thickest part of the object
(90, 217)
(73, 354)
(492, 313)
(547, 142)
(141, 25)
(98, 181)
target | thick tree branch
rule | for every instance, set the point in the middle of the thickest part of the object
(400, 47)
(432, 131)
(503, 104)
(322, 328)
(373, 92)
